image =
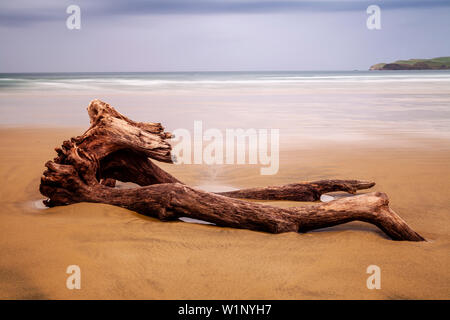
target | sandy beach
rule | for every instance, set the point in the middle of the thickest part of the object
(290, 99)
(124, 255)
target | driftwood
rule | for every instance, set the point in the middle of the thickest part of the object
(117, 148)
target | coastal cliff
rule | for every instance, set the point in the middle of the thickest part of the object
(441, 63)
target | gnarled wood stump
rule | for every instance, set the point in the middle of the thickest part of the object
(117, 148)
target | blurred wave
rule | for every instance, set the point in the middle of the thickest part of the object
(154, 81)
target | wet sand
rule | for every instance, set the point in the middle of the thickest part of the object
(124, 255)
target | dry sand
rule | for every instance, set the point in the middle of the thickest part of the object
(124, 255)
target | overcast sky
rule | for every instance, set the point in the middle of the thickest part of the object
(217, 35)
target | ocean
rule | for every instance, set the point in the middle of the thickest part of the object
(331, 105)
(148, 81)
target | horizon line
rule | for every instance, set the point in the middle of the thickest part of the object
(185, 71)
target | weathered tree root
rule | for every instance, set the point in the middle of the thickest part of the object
(117, 148)
(304, 191)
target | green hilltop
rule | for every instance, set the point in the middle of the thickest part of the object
(441, 63)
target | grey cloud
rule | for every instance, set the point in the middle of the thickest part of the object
(23, 12)
(254, 6)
